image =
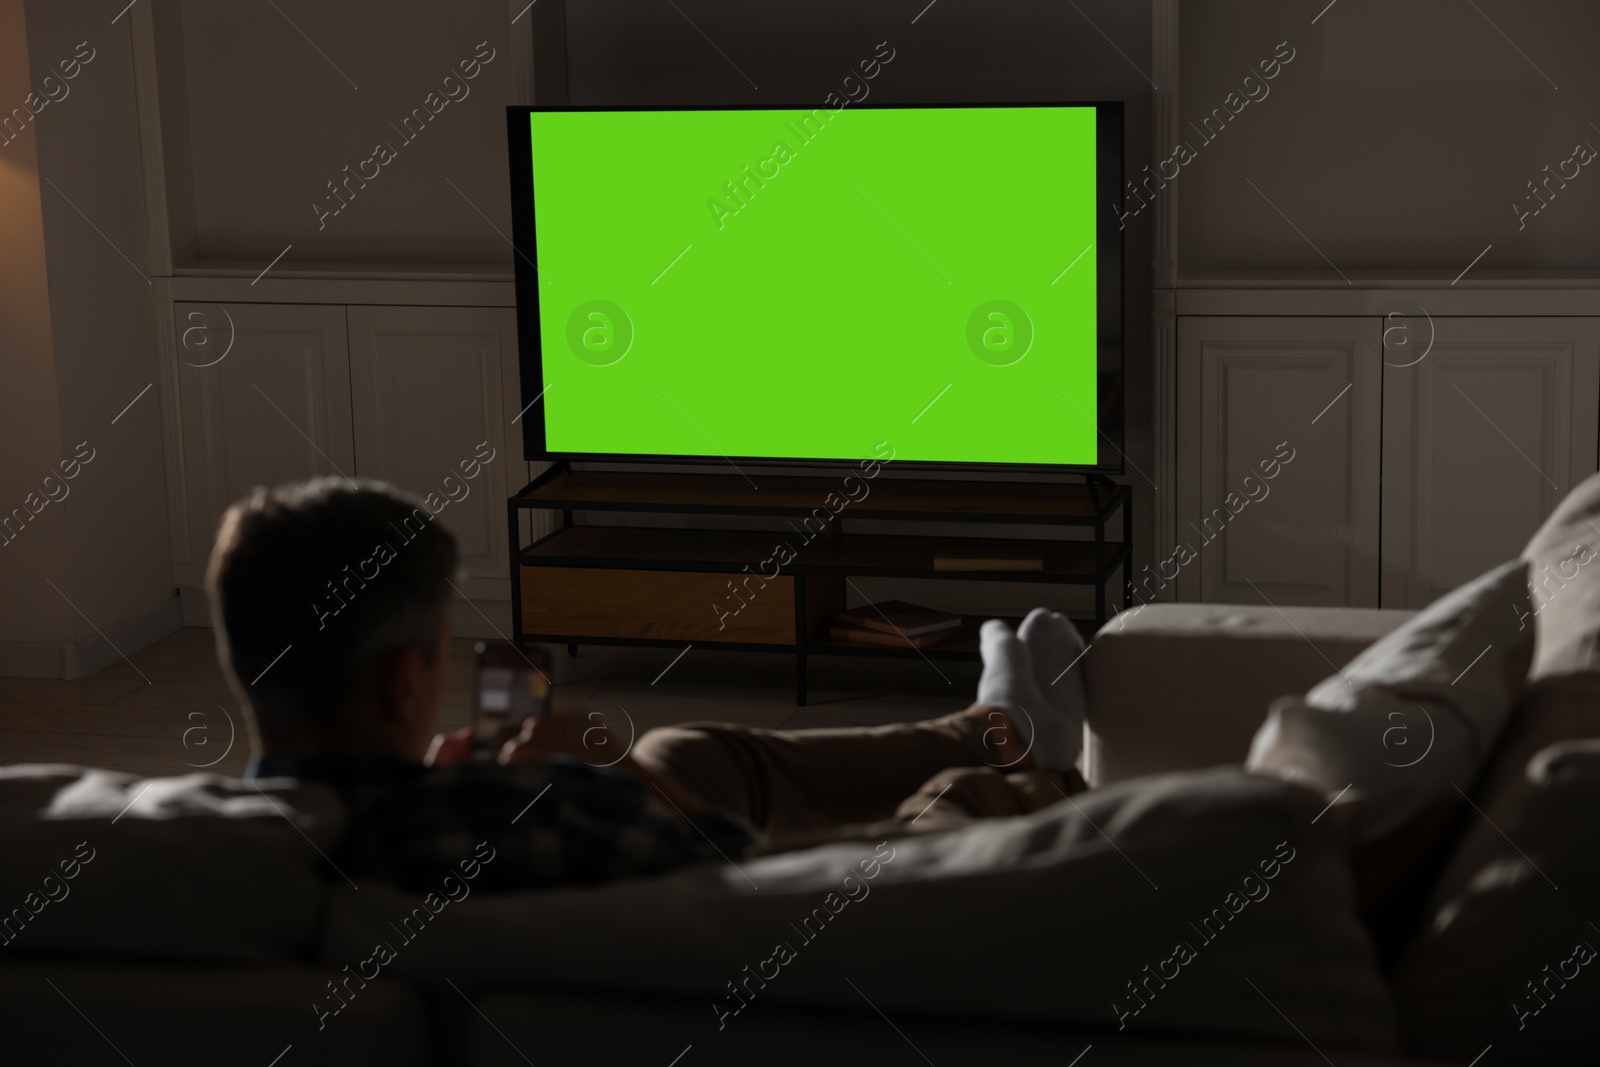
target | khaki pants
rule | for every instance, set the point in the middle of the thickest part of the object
(804, 786)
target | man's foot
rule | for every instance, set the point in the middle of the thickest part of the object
(1055, 646)
(1008, 682)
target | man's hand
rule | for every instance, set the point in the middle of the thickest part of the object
(592, 742)
(539, 739)
(449, 750)
(546, 737)
(569, 735)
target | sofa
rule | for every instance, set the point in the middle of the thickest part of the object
(196, 919)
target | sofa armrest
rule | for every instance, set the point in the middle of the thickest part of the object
(1182, 686)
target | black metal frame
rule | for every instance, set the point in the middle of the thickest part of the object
(1108, 497)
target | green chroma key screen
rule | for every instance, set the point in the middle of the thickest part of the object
(804, 285)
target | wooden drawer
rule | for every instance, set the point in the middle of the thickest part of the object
(659, 605)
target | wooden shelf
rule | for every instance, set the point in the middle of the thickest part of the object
(1440, 277)
(889, 555)
(963, 644)
(737, 589)
(292, 268)
(1058, 503)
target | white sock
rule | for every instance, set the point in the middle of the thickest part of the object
(1008, 682)
(1055, 647)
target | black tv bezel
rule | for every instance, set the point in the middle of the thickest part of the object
(1111, 370)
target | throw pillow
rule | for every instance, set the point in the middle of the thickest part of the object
(1395, 733)
(1564, 605)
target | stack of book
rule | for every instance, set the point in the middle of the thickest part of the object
(894, 623)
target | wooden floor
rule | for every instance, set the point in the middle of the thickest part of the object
(166, 709)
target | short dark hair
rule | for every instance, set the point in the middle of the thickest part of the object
(313, 586)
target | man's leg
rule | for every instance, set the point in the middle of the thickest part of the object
(791, 781)
(959, 795)
(795, 781)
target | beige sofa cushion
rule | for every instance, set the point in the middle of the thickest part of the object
(1052, 917)
(193, 867)
(1517, 898)
(515, 1021)
(1181, 686)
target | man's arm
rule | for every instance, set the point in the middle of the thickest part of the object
(553, 735)
(605, 822)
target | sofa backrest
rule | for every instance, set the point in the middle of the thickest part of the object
(196, 867)
(1197, 883)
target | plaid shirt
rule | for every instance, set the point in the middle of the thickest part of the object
(550, 822)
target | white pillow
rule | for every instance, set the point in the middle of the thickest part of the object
(1415, 716)
(1564, 600)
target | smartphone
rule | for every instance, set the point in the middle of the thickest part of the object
(511, 686)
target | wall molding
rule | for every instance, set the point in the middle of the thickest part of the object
(1345, 300)
(1164, 134)
(1164, 279)
(152, 152)
(167, 336)
(346, 290)
(519, 11)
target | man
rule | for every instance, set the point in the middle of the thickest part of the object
(331, 603)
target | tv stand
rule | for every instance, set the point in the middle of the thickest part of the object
(731, 589)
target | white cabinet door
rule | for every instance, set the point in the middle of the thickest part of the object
(1483, 436)
(264, 392)
(435, 392)
(1278, 461)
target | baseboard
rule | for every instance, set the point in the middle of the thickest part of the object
(149, 626)
(77, 659)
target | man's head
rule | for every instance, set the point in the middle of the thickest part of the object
(331, 601)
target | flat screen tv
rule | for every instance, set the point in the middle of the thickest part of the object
(807, 285)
